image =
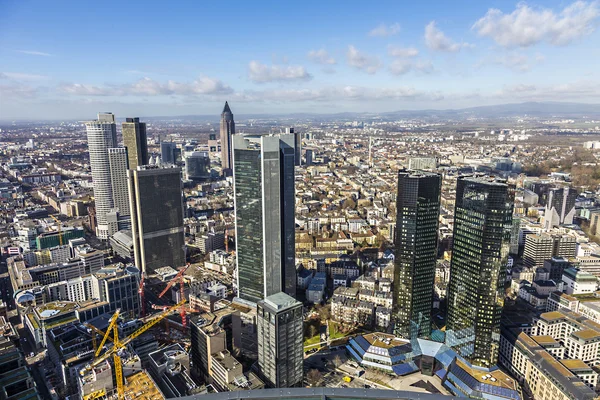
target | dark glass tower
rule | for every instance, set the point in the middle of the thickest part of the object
(280, 348)
(264, 208)
(227, 131)
(156, 203)
(136, 142)
(418, 208)
(482, 228)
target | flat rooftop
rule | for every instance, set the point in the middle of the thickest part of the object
(384, 340)
(280, 301)
(545, 340)
(501, 379)
(576, 365)
(140, 386)
(586, 334)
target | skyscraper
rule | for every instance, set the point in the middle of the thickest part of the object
(482, 227)
(227, 131)
(136, 142)
(167, 152)
(197, 165)
(418, 210)
(280, 347)
(156, 202)
(101, 136)
(117, 159)
(264, 209)
(560, 207)
(297, 144)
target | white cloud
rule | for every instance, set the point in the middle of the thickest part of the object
(19, 76)
(16, 90)
(435, 39)
(261, 73)
(369, 64)
(321, 57)
(335, 93)
(150, 87)
(526, 26)
(403, 66)
(575, 91)
(34, 53)
(514, 60)
(84, 90)
(383, 30)
(396, 51)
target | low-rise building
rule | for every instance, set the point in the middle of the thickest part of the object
(579, 282)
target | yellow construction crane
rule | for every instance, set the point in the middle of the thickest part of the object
(58, 224)
(112, 324)
(96, 330)
(118, 345)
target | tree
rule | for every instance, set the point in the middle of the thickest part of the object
(313, 377)
(324, 312)
(312, 330)
(337, 361)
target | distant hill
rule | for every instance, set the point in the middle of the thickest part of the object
(535, 109)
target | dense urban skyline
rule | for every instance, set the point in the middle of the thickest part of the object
(407, 200)
(353, 58)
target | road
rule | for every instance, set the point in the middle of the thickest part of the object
(6, 292)
(34, 363)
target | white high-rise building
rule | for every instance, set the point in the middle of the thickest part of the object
(117, 158)
(101, 135)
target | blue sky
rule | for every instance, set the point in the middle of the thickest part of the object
(70, 59)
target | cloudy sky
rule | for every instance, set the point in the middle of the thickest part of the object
(71, 59)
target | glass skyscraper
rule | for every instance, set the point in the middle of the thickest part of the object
(482, 229)
(280, 347)
(418, 210)
(263, 169)
(136, 142)
(156, 203)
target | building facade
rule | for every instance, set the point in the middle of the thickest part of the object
(560, 207)
(101, 136)
(280, 341)
(482, 227)
(265, 224)
(156, 202)
(168, 152)
(136, 142)
(197, 165)
(418, 205)
(227, 131)
(117, 158)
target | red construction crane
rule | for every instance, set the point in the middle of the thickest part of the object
(141, 292)
(178, 278)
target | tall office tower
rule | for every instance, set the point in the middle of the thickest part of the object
(418, 205)
(136, 142)
(101, 136)
(197, 165)
(297, 145)
(156, 203)
(227, 131)
(309, 157)
(117, 158)
(264, 209)
(167, 152)
(560, 207)
(482, 227)
(280, 351)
